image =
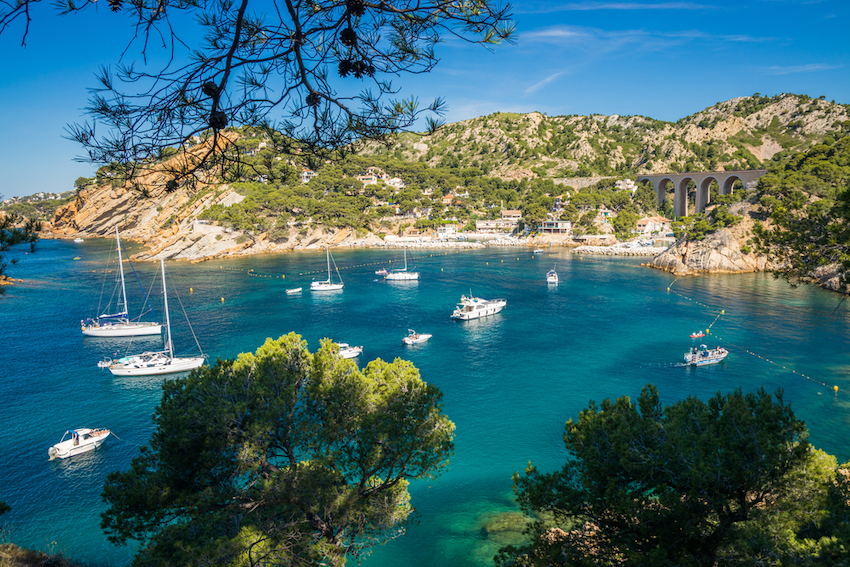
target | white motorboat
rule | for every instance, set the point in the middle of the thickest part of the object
(537, 251)
(76, 441)
(155, 363)
(704, 355)
(381, 272)
(348, 351)
(293, 291)
(402, 274)
(119, 324)
(552, 276)
(475, 307)
(328, 284)
(78, 240)
(414, 338)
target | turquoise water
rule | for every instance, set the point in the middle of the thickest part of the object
(509, 381)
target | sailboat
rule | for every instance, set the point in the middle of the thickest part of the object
(118, 324)
(403, 274)
(327, 285)
(162, 362)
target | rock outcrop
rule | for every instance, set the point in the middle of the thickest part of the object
(719, 253)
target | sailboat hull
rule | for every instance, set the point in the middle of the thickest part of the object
(143, 365)
(123, 330)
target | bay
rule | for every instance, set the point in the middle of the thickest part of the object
(509, 381)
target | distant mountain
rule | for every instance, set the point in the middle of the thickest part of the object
(742, 133)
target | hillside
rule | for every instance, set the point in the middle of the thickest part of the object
(742, 133)
(489, 163)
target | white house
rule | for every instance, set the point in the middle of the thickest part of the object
(307, 175)
(626, 185)
(651, 225)
(555, 227)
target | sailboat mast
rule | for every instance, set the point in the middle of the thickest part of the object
(328, 253)
(405, 257)
(167, 320)
(121, 271)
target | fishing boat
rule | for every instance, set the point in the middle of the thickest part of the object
(162, 362)
(293, 291)
(552, 276)
(414, 338)
(76, 441)
(704, 355)
(475, 307)
(328, 284)
(402, 274)
(348, 351)
(118, 324)
(697, 335)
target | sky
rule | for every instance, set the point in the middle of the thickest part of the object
(664, 60)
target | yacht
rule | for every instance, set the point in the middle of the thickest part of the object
(76, 441)
(156, 363)
(119, 324)
(348, 351)
(402, 274)
(328, 284)
(552, 276)
(704, 355)
(475, 307)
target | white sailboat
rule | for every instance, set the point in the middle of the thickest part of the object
(403, 274)
(118, 324)
(162, 362)
(328, 284)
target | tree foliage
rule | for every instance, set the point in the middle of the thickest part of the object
(279, 457)
(808, 202)
(15, 231)
(317, 71)
(652, 485)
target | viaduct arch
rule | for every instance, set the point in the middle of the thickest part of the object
(702, 180)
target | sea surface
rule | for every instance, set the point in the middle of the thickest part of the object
(510, 381)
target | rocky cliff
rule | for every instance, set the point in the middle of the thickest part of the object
(722, 252)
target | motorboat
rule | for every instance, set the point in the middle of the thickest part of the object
(156, 363)
(328, 285)
(537, 251)
(293, 291)
(118, 324)
(402, 274)
(78, 240)
(381, 272)
(76, 441)
(697, 335)
(414, 338)
(348, 351)
(704, 355)
(552, 276)
(475, 307)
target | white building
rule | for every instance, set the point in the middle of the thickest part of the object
(653, 225)
(625, 185)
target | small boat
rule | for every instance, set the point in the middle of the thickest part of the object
(697, 335)
(348, 351)
(552, 276)
(76, 441)
(475, 307)
(328, 284)
(78, 240)
(704, 355)
(381, 272)
(414, 338)
(293, 291)
(537, 251)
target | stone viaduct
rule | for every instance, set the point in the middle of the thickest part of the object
(702, 180)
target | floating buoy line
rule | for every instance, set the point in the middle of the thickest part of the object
(755, 354)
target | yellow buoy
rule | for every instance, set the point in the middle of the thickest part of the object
(191, 291)
(835, 388)
(222, 300)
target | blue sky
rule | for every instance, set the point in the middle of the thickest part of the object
(664, 60)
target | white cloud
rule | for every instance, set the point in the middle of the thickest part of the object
(545, 8)
(543, 83)
(810, 68)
